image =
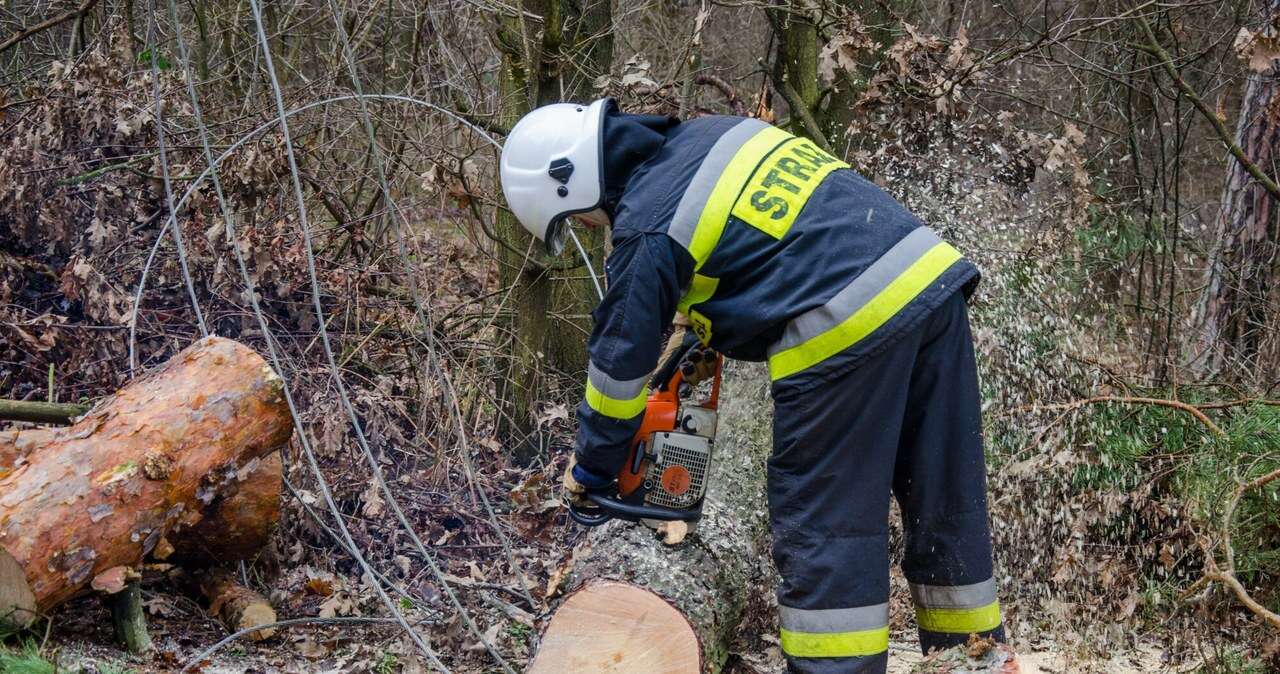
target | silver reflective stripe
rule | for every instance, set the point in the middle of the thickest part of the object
(861, 290)
(829, 620)
(615, 388)
(695, 196)
(976, 595)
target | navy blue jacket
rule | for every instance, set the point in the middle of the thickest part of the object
(773, 248)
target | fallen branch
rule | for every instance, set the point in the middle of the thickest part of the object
(1136, 400)
(1227, 576)
(40, 412)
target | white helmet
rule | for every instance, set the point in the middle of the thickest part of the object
(551, 167)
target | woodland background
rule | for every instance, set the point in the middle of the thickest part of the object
(1112, 166)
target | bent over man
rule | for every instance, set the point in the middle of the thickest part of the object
(774, 249)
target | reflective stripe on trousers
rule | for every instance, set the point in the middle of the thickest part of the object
(961, 609)
(619, 399)
(836, 632)
(871, 299)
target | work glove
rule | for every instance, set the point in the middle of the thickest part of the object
(577, 481)
(698, 365)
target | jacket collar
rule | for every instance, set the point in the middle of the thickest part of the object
(628, 142)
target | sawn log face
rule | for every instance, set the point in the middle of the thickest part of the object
(709, 577)
(103, 492)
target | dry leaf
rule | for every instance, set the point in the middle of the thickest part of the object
(1258, 50)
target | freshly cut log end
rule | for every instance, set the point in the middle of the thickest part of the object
(238, 607)
(17, 602)
(609, 626)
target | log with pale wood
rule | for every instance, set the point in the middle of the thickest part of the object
(102, 493)
(634, 605)
(238, 607)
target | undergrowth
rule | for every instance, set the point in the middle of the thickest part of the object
(25, 658)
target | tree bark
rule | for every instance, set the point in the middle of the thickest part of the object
(1238, 307)
(707, 580)
(238, 607)
(238, 524)
(529, 301)
(102, 493)
(574, 293)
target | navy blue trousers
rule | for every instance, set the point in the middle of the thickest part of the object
(906, 421)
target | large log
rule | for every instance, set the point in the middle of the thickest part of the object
(706, 580)
(101, 493)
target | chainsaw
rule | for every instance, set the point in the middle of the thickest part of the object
(665, 475)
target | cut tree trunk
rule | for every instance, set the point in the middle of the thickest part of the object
(705, 583)
(236, 526)
(238, 607)
(1238, 306)
(102, 493)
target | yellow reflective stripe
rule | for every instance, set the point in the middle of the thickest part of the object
(782, 185)
(835, 644)
(729, 185)
(701, 288)
(885, 305)
(959, 620)
(614, 407)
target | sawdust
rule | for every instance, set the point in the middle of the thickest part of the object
(905, 657)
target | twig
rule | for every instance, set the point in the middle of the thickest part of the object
(349, 620)
(48, 23)
(1227, 576)
(1162, 402)
(725, 88)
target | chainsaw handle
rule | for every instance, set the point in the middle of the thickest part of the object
(611, 508)
(592, 517)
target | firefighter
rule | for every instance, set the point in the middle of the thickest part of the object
(774, 250)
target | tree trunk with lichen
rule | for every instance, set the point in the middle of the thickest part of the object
(707, 580)
(102, 493)
(521, 264)
(574, 293)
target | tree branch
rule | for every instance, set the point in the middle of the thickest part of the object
(1153, 47)
(25, 33)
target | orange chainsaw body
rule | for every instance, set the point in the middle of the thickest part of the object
(662, 414)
